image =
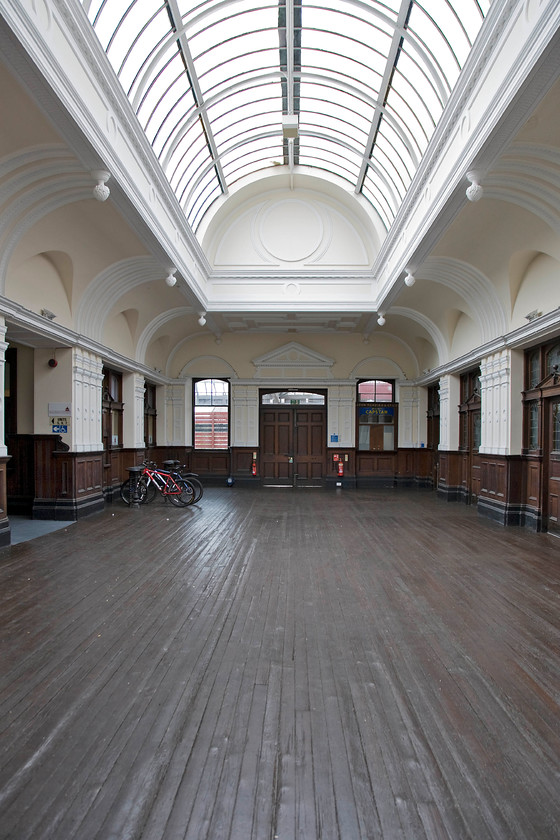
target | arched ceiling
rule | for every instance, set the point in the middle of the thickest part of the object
(225, 89)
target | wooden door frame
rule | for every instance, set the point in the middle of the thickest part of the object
(292, 408)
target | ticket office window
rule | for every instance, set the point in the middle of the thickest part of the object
(376, 415)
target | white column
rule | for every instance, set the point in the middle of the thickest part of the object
(449, 397)
(3, 348)
(244, 415)
(133, 414)
(178, 421)
(413, 405)
(341, 416)
(501, 380)
(87, 383)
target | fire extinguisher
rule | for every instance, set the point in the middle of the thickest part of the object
(254, 468)
(341, 468)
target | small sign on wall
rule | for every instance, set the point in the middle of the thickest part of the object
(59, 425)
(60, 410)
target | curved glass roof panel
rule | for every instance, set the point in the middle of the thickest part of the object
(211, 82)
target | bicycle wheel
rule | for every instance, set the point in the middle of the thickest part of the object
(185, 497)
(142, 492)
(149, 491)
(196, 485)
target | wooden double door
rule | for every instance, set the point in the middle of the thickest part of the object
(292, 445)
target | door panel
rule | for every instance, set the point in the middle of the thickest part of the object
(277, 443)
(310, 431)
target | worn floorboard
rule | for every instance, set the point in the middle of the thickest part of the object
(281, 664)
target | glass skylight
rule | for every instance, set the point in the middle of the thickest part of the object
(210, 81)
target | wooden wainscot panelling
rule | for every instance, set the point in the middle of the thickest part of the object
(415, 467)
(20, 475)
(376, 469)
(533, 472)
(115, 466)
(476, 480)
(245, 460)
(500, 496)
(532, 492)
(211, 464)
(450, 473)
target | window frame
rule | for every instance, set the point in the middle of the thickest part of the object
(195, 405)
(362, 406)
(112, 409)
(470, 413)
(150, 414)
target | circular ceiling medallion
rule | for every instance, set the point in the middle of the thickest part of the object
(291, 230)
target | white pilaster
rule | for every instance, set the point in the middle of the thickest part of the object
(133, 415)
(244, 415)
(449, 397)
(87, 383)
(341, 415)
(178, 420)
(501, 381)
(413, 405)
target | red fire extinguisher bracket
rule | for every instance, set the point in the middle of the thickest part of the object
(341, 467)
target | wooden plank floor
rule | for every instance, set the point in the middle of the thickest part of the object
(281, 664)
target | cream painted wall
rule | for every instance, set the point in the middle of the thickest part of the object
(235, 353)
(51, 385)
(539, 289)
(92, 235)
(37, 284)
(465, 337)
(118, 337)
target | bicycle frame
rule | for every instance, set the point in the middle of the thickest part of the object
(163, 480)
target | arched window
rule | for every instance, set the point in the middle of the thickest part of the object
(211, 413)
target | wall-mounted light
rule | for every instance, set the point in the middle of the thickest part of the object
(46, 313)
(202, 319)
(410, 279)
(381, 319)
(171, 279)
(475, 191)
(101, 191)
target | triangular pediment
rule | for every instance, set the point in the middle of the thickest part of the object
(292, 360)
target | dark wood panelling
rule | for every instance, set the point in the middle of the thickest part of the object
(211, 463)
(375, 464)
(20, 474)
(450, 474)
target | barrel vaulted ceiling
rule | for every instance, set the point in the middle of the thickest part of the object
(228, 127)
(225, 89)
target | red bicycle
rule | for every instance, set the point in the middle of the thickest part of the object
(171, 485)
